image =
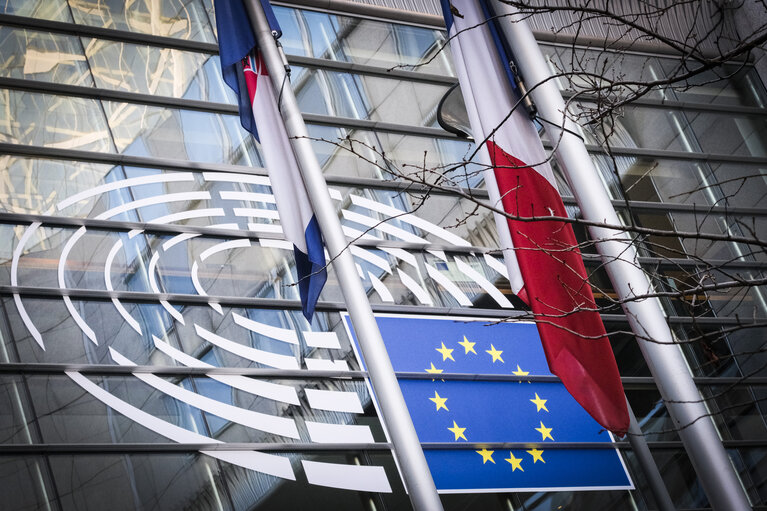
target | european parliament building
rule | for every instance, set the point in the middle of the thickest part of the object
(153, 352)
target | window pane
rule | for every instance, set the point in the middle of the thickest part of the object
(366, 97)
(348, 39)
(157, 71)
(56, 10)
(31, 118)
(183, 19)
(686, 131)
(42, 56)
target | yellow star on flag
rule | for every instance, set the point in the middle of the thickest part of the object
(447, 353)
(439, 401)
(486, 456)
(457, 431)
(545, 432)
(516, 463)
(520, 372)
(540, 404)
(537, 455)
(469, 347)
(433, 370)
(496, 354)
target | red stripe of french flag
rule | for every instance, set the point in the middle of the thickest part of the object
(545, 266)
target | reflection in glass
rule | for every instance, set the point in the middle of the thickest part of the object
(43, 56)
(25, 483)
(348, 39)
(183, 19)
(142, 130)
(686, 131)
(366, 97)
(56, 10)
(62, 122)
(589, 69)
(156, 71)
(164, 481)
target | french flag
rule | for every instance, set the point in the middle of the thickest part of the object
(244, 71)
(545, 266)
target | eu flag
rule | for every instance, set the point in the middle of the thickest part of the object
(484, 411)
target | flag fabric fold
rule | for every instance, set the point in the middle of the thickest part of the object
(243, 70)
(546, 268)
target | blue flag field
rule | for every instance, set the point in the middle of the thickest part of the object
(483, 411)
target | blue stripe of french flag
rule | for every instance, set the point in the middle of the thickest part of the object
(244, 71)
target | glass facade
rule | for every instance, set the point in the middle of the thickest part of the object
(141, 232)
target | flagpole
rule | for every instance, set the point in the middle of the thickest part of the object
(395, 415)
(648, 322)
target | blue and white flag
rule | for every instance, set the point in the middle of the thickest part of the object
(244, 70)
(483, 411)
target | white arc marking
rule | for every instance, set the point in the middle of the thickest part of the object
(274, 391)
(261, 421)
(266, 358)
(277, 466)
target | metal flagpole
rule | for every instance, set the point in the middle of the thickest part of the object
(665, 358)
(407, 448)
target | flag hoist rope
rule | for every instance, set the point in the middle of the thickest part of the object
(407, 448)
(664, 358)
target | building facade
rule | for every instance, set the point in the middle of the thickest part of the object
(142, 232)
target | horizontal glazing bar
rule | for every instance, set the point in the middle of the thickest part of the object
(21, 449)
(324, 306)
(307, 374)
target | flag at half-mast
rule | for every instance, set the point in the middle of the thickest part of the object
(244, 70)
(545, 268)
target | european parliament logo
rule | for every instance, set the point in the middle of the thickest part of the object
(483, 412)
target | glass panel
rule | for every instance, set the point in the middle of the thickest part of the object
(376, 43)
(751, 464)
(651, 414)
(67, 412)
(157, 71)
(589, 70)
(16, 416)
(180, 134)
(25, 484)
(693, 246)
(690, 131)
(366, 97)
(42, 56)
(353, 152)
(684, 182)
(56, 10)
(183, 19)
(680, 479)
(31, 118)
(158, 481)
(737, 411)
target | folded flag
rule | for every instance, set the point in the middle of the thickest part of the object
(546, 268)
(243, 69)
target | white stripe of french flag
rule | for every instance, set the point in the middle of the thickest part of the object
(296, 215)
